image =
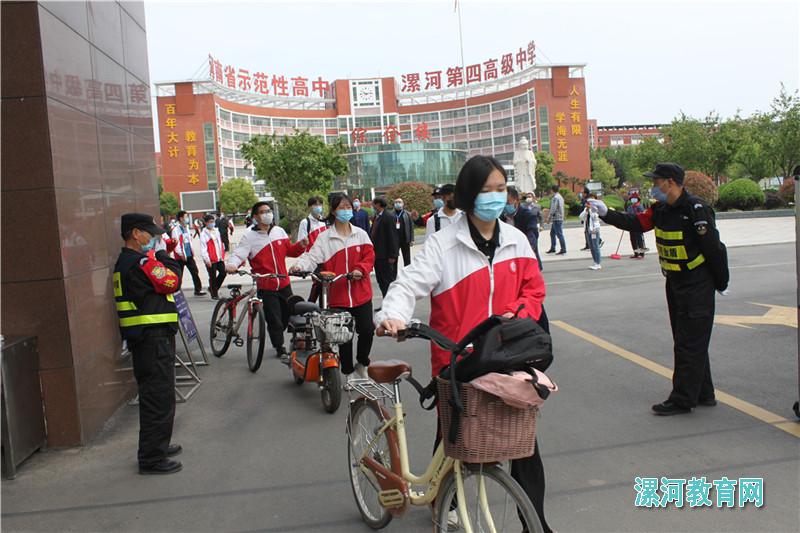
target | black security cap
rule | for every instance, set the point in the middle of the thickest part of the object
(131, 221)
(447, 188)
(667, 171)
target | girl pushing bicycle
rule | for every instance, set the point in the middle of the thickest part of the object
(346, 249)
(472, 269)
(267, 245)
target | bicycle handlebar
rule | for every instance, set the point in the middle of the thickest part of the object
(254, 275)
(415, 328)
(319, 278)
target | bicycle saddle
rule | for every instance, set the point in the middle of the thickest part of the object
(388, 371)
(301, 308)
(234, 286)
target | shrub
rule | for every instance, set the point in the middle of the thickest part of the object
(786, 191)
(742, 194)
(772, 200)
(698, 184)
(416, 196)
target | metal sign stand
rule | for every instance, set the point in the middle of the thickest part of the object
(191, 378)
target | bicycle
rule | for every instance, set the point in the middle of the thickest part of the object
(224, 330)
(380, 475)
(316, 331)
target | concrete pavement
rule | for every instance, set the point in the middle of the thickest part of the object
(261, 455)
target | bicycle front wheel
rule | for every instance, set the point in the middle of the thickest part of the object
(221, 328)
(256, 332)
(331, 391)
(492, 501)
(363, 424)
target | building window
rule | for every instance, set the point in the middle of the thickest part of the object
(284, 123)
(225, 115)
(453, 113)
(478, 110)
(501, 106)
(521, 100)
(330, 124)
(544, 129)
(240, 119)
(481, 143)
(617, 140)
(636, 139)
(426, 117)
(309, 123)
(241, 137)
(502, 123)
(226, 135)
(373, 121)
(405, 119)
(343, 124)
(481, 126)
(259, 121)
(505, 158)
(505, 139)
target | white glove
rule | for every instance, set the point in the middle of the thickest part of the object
(601, 207)
(726, 292)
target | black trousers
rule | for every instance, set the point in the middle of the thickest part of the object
(192, 266)
(405, 249)
(691, 315)
(362, 315)
(154, 369)
(385, 273)
(276, 312)
(226, 243)
(535, 245)
(216, 275)
(637, 242)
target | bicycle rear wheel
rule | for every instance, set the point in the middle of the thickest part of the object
(221, 327)
(505, 507)
(363, 423)
(256, 331)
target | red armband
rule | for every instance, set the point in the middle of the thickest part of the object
(164, 280)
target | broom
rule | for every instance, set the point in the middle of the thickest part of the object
(616, 255)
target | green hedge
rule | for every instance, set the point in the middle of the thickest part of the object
(744, 194)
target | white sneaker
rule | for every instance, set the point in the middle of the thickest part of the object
(452, 520)
(361, 371)
(595, 267)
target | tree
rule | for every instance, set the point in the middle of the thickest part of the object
(698, 184)
(783, 139)
(687, 143)
(649, 152)
(752, 158)
(604, 172)
(544, 172)
(295, 167)
(168, 204)
(237, 196)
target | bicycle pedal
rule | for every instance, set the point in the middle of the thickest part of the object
(239, 342)
(391, 498)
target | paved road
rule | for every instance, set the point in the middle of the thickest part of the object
(261, 455)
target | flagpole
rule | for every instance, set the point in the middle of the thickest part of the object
(463, 72)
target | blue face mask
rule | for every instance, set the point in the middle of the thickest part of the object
(656, 193)
(398, 206)
(438, 203)
(150, 245)
(489, 205)
(510, 208)
(344, 215)
(317, 209)
(212, 225)
(356, 204)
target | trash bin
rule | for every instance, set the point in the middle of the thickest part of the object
(22, 409)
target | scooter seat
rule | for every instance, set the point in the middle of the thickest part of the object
(388, 371)
(301, 308)
(234, 286)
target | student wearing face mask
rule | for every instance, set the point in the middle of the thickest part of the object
(524, 220)
(694, 263)
(637, 237)
(213, 251)
(472, 269)
(445, 211)
(144, 282)
(266, 245)
(310, 228)
(183, 250)
(345, 249)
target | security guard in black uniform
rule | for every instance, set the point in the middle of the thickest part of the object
(144, 281)
(695, 264)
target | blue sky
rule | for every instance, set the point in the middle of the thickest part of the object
(646, 61)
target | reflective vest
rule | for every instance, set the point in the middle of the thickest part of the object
(155, 309)
(676, 253)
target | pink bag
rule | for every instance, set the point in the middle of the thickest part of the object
(517, 389)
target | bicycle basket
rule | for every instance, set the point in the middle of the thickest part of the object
(490, 430)
(333, 328)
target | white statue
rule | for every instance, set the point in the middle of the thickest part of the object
(524, 167)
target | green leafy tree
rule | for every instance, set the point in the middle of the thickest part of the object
(237, 195)
(752, 158)
(604, 172)
(783, 139)
(168, 204)
(295, 167)
(687, 143)
(544, 172)
(646, 154)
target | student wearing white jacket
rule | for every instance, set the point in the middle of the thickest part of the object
(476, 267)
(213, 252)
(593, 232)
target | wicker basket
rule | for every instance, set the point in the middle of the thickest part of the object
(333, 328)
(490, 430)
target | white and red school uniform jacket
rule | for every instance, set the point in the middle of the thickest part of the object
(211, 245)
(267, 251)
(341, 255)
(181, 236)
(464, 288)
(310, 228)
